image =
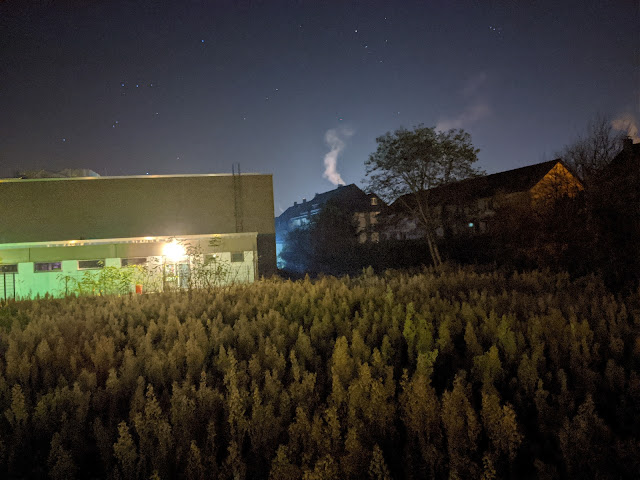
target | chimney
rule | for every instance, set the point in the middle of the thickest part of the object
(627, 144)
(304, 200)
(295, 204)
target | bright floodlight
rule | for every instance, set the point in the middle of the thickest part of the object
(173, 251)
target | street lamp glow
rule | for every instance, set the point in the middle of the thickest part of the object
(174, 251)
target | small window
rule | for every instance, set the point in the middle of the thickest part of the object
(90, 264)
(210, 258)
(128, 262)
(48, 267)
(8, 268)
(374, 201)
(237, 257)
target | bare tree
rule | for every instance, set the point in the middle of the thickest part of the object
(593, 149)
(408, 163)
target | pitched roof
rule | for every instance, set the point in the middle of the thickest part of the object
(517, 180)
(349, 196)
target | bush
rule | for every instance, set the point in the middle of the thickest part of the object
(435, 374)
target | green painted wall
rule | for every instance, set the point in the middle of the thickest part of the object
(30, 284)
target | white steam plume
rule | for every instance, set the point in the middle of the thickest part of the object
(336, 141)
(627, 123)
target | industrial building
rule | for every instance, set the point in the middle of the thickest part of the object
(56, 229)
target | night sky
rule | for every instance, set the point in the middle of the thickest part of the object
(128, 87)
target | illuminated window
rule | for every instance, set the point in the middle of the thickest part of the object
(237, 257)
(8, 268)
(90, 264)
(127, 262)
(47, 267)
(374, 201)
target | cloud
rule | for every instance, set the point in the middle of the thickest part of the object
(471, 115)
(335, 138)
(473, 84)
(477, 106)
(627, 123)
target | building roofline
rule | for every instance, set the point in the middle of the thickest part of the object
(488, 179)
(182, 175)
(110, 241)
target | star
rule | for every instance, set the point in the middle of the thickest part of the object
(201, 41)
(64, 139)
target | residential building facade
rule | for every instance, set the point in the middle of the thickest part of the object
(365, 208)
(468, 206)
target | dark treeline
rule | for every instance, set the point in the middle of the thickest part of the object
(452, 374)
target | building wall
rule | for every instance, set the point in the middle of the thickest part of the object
(557, 183)
(30, 283)
(118, 207)
(65, 209)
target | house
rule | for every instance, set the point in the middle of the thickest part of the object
(467, 206)
(364, 206)
(59, 228)
(625, 163)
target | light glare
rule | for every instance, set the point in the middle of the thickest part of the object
(173, 251)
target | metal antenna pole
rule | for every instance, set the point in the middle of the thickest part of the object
(237, 195)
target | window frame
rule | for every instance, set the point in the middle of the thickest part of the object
(137, 262)
(235, 254)
(36, 270)
(9, 268)
(99, 267)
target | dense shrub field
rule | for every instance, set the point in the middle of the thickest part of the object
(453, 374)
